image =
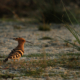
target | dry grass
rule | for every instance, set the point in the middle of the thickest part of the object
(39, 68)
(67, 60)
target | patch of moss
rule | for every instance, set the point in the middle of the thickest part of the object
(5, 76)
(44, 28)
(17, 27)
(46, 38)
(37, 55)
(34, 73)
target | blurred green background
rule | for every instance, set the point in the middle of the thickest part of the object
(46, 11)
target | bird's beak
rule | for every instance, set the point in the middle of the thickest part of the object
(29, 42)
(12, 38)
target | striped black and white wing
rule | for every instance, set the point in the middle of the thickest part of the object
(14, 54)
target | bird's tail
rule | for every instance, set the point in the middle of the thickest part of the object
(5, 60)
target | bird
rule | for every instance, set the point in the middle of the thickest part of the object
(17, 52)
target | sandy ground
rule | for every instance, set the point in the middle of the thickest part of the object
(31, 33)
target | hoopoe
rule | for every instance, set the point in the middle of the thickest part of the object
(17, 52)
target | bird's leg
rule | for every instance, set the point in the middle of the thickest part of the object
(17, 60)
(14, 60)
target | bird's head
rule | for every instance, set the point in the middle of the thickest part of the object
(20, 40)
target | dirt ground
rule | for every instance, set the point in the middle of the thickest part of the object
(30, 32)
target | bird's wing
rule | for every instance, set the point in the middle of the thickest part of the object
(14, 54)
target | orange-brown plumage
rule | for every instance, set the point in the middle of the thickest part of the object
(17, 52)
